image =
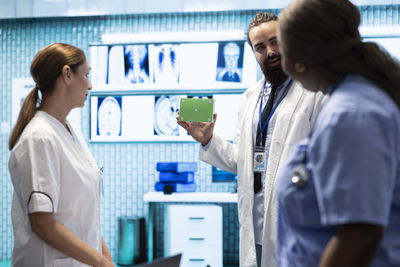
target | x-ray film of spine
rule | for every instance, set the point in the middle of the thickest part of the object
(109, 116)
(136, 64)
(230, 62)
(165, 111)
(167, 63)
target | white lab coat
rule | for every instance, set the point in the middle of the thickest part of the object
(295, 116)
(53, 171)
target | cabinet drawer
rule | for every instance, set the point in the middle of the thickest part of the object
(194, 261)
(194, 217)
(201, 258)
(196, 244)
(190, 232)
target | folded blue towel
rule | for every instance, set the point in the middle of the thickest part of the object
(177, 167)
(184, 177)
(175, 187)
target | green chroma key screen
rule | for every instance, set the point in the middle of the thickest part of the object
(196, 109)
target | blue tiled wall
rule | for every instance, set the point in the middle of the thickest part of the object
(129, 168)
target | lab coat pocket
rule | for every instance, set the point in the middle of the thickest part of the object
(63, 262)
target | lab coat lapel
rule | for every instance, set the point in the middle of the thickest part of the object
(285, 115)
(253, 97)
(289, 105)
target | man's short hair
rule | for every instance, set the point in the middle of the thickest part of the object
(260, 18)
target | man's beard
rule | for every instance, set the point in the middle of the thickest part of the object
(274, 75)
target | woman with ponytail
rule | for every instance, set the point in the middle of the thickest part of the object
(56, 203)
(339, 191)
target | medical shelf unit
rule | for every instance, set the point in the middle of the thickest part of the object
(196, 232)
(182, 212)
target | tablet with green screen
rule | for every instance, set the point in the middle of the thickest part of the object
(196, 109)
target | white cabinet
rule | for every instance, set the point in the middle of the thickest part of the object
(196, 232)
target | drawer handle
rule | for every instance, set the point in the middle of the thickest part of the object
(196, 218)
(196, 238)
(196, 259)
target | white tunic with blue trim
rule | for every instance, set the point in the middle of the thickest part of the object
(53, 171)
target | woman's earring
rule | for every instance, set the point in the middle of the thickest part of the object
(299, 67)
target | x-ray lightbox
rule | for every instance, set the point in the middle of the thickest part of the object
(153, 66)
(122, 118)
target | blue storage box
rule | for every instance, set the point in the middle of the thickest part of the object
(168, 188)
(177, 167)
(184, 177)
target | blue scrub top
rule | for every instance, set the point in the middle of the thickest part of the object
(352, 161)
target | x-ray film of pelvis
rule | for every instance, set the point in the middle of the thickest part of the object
(109, 117)
(165, 112)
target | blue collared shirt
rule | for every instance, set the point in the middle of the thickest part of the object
(352, 162)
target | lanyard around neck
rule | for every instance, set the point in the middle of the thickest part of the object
(276, 105)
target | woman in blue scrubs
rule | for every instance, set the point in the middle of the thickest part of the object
(339, 192)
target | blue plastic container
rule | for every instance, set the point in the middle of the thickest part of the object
(132, 240)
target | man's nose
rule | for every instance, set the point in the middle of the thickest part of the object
(271, 53)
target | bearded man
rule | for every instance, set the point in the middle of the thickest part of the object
(273, 115)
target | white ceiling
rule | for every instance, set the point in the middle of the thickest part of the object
(60, 8)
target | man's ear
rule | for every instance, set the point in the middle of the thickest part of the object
(66, 74)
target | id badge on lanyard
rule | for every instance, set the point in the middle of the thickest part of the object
(259, 159)
(259, 164)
